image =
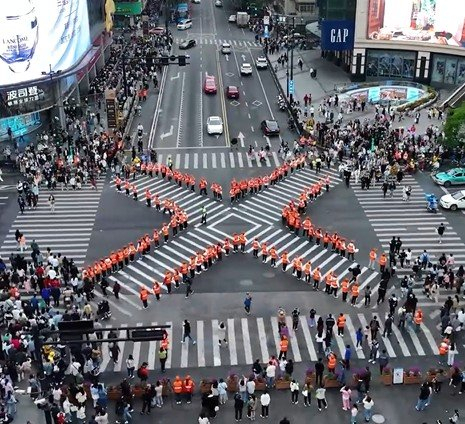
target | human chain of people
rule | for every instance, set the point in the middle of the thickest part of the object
(250, 338)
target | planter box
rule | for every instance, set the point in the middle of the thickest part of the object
(386, 379)
(415, 379)
(311, 380)
(232, 383)
(166, 390)
(205, 386)
(282, 384)
(137, 392)
(260, 385)
(331, 383)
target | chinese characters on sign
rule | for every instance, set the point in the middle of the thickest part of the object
(23, 95)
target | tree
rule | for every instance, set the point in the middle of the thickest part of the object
(454, 129)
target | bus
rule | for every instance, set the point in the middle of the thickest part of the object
(182, 12)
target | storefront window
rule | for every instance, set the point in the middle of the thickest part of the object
(448, 70)
(390, 64)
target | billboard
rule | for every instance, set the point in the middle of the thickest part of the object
(429, 21)
(39, 35)
(337, 35)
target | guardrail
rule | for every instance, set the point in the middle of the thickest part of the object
(340, 88)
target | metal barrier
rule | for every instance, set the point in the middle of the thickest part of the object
(455, 98)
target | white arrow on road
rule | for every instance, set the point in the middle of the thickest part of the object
(176, 77)
(243, 57)
(168, 134)
(241, 138)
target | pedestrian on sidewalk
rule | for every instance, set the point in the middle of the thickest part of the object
(265, 401)
(320, 396)
(440, 230)
(353, 414)
(187, 332)
(368, 407)
(238, 406)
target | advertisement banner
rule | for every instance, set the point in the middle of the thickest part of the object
(39, 35)
(128, 8)
(337, 35)
(428, 21)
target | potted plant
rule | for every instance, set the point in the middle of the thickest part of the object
(412, 376)
(205, 386)
(310, 377)
(330, 380)
(232, 381)
(283, 382)
(166, 390)
(260, 383)
(386, 376)
(138, 390)
(113, 392)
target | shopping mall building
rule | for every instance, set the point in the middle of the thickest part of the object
(50, 51)
(413, 40)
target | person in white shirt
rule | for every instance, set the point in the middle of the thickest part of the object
(203, 419)
(270, 374)
(368, 408)
(294, 386)
(320, 395)
(353, 414)
(250, 387)
(265, 401)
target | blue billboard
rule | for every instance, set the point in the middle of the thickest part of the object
(337, 35)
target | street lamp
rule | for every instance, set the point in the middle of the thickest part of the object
(58, 99)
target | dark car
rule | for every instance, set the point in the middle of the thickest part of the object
(270, 127)
(187, 44)
(232, 92)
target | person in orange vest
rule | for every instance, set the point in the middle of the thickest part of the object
(382, 262)
(274, 256)
(188, 386)
(156, 289)
(328, 282)
(242, 241)
(166, 232)
(134, 192)
(341, 323)
(418, 319)
(157, 202)
(227, 246)
(156, 238)
(283, 346)
(316, 279)
(345, 289)
(284, 260)
(255, 247)
(148, 198)
(354, 292)
(167, 279)
(177, 389)
(334, 285)
(203, 186)
(332, 362)
(297, 265)
(118, 183)
(307, 271)
(372, 259)
(127, 187)
(144, 295)
(264, 248)
(235, 243)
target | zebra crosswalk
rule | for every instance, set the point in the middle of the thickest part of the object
(219, 160)
(67, 231)
(266, 207)
(189, 201)
(411, 222)
(219, 42)
(250, 338)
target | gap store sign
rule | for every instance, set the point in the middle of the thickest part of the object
(337, 35)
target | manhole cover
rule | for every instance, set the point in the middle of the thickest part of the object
(234, 103)
(378, 418)
(229, 74)
(257, 103)
(269, 274)
(246, 283)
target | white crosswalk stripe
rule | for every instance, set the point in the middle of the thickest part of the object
(413, 224)
(222, 160)
(218, 42)
(67, 231)
(250, 338)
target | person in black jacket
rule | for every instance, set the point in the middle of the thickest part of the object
(147, 397)
(319, 369)
(238, 406)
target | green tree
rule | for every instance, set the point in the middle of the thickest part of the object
(454, 129)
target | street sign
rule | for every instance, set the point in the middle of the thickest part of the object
(291, 86)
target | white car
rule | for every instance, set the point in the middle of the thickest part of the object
(226, 48)
(185, 24)
(246, 69)
(196, 1)
(218, 3)
(261, 62)
(453, 201)
(232, 18)
(214, 125)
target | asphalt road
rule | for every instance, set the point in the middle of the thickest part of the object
(185, 107)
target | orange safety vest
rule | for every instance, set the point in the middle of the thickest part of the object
(341, 321)
(283, 345)
(354, 290)
(177, 386)
(373, 254)
(418, 317)
(382, 259)
(316, 275)
(156, 288)
(345, 285)
(331, 361)
(144, 294)
(255, 245)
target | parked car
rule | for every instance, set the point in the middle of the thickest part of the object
(455, 176)
(453, 201)
(232, 18)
